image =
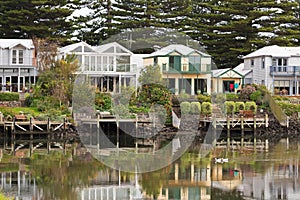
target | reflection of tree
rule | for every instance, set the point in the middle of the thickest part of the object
(152, 182)
(225, 195)
(58, 178)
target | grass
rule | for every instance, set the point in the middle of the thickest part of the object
(33, 111)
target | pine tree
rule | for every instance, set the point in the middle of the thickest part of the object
(30, 18)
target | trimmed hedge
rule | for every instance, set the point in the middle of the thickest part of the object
(239, 106)
(185, 107)
(206, 108)
(229, 107)
(9, 96)
(251, 105)
(195, 108)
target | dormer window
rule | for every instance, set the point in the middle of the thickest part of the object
(17, 56)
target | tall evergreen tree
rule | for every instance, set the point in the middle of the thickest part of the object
(34, 18)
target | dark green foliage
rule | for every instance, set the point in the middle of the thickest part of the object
(9, 96)
(103, 101)
(256, 96)
(30, 19)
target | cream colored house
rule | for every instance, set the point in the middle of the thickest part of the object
(186, 70)
(226, 81)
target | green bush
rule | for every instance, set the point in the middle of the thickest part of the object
(195, 108)
(232, 97)
(251, 105)
(136, 109)
(229, 107)
(9, 96)
(103, 101)
(122, 111)
(256, 96)
(203, 98)
(220, 99)
(185, 107)
(206, 108)
(239, 106)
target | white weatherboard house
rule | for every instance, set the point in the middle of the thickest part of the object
(226, 80)
(17, 64)
(109, 66)
(276, 67)
(186, 70)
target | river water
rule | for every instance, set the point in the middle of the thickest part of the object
(248, 174)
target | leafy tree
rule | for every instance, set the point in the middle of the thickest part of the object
(58, 81)
(151, 75)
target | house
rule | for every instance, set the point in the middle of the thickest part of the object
(185, 69)
(17, 64)
(226, 80)
(278, 68)
(108, 66)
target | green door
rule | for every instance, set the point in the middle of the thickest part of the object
(175, 63)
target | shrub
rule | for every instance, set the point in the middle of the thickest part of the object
(28, 100)
(206, 108)
(256, 96)
(239, 106)
(220, 99)
(122, 111)
(9, 96)
(103, 101)
(203, 98)
(251, 105)
(195, 108)
(185, 107)
(229, 107)
(232, 97)
(246, 92)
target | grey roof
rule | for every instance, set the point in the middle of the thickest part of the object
(71, 47)
(240, 69)
(181, 49)
(275, 51)
(9, 43)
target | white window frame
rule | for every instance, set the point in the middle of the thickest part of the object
(18, 57)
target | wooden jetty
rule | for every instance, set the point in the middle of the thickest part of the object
(33, 134)
(236, 123)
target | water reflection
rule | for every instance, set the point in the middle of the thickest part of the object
(247, 175)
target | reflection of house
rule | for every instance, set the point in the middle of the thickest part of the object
(186, 70)
(17, 64)
(226, 80)
(108, 66)
(192, 182)
(275, 67)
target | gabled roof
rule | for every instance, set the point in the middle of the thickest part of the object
(10, 43)
(179, 48)
(104, 47)
(227, 72)
(275, 51)
(72, 47)
(241, 70)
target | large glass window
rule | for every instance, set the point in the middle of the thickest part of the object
(194, 63)
(14, 57)
(17, 56)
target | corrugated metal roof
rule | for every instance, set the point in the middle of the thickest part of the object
(181, 49)
(275, 51)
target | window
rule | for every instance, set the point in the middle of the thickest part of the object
(263, 63)
(252, 62)
(14, 57)
(194, 63)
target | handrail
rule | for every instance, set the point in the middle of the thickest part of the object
(276, 110)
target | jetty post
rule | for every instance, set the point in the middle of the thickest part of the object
(254, 131)
(228, 132)
(214, 136)
(242, 131)
(98, 133)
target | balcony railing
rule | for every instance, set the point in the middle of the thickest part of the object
(129, 68)
(186, 68)
(285, 70)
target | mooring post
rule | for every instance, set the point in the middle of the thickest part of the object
(254, 132)
(243, 131)
(118, 131)
(136, 133)
(214, 137)
(13, 136)
(48, 136)
(31, 137)
(228, 132)
(267, 120)
(98, 133)
(267, 145)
